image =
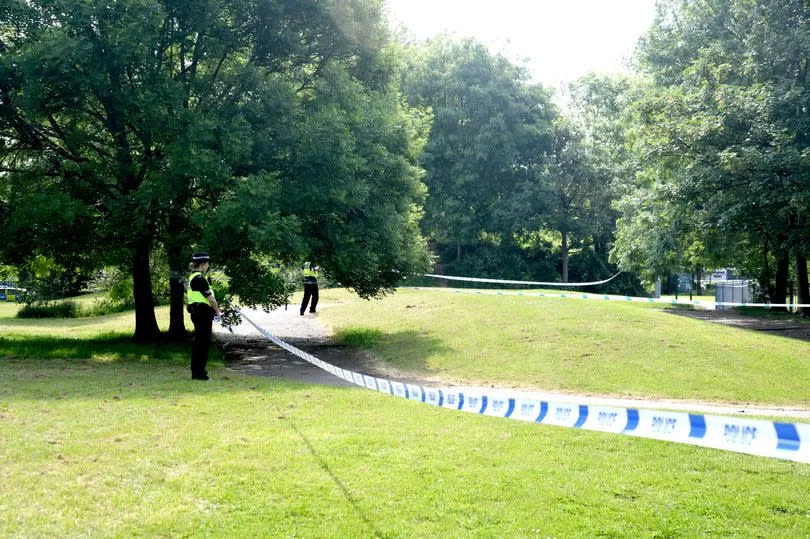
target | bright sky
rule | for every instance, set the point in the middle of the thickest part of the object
(558, 40)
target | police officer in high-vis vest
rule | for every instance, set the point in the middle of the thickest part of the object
(309, 274)
(203, 308)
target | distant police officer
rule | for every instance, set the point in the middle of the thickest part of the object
(203, 308)
(309, 274)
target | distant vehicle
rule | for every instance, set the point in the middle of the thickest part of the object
(10, 293)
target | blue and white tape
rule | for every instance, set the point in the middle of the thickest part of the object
(605, 297)
(790, 441)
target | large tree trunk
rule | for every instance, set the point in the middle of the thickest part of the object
(177, 324)
(146, 328)
(781, 284)
(564, 256)
(699, 280)
(458, 251)
(765, 279)
(804, 290)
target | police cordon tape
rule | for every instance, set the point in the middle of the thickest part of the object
(790, 441)
(582, 295)
(502, 281)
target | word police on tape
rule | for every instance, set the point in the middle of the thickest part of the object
(789, 441)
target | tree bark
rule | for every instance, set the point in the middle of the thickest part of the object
(804, 289)
(781, 284)
(146, 328)
(564, 254)
(177, 289)
(458, 251)
(699, 280)
(177, 305)
(765, 280)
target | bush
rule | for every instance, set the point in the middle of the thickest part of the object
(106, 306)
(359, 337)
(64, 309)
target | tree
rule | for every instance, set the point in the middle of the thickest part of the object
(572, 192)
(560, 197)
(727, 114)
(490, 128)
(140, 123)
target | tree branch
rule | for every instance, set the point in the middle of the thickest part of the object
(60, 133)
(317, 72)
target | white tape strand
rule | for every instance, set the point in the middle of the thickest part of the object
(503, 281)
(789, 441)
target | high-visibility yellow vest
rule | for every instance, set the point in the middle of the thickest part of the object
(195, 296)
(310, 275)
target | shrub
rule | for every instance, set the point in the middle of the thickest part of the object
(64, 309)
(107, 306)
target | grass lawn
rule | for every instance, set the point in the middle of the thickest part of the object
(8, 309)
(130, 447)
(102, 437)
(584, 346)
(76, 327)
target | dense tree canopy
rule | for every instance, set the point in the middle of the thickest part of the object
(491, 129)
(726, 133)
(266, 132)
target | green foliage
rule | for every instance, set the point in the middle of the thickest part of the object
(504, 165)
(7, 273)
(44, 279)
(564, 196)
(117, 286)
(491, 127)
(493, 262)
(725, 127)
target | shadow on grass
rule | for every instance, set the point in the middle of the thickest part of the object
(111, 366)
(756, 320)
(408, 350)
(111, 347)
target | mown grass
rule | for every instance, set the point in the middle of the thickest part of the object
(78, 327)
(101, 437)
(583, 346)
(8, 309)
(133, 448)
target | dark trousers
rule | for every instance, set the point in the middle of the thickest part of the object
(203, 319)
(310, 290)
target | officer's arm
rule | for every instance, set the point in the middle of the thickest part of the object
(212, 301)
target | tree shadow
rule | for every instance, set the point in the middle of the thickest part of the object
(768, 324)
(388, 354)
(107, 348)
(107, 367)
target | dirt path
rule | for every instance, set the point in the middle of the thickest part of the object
(249, 352)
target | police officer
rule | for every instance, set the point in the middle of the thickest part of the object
(309, 274)
(203, 307)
